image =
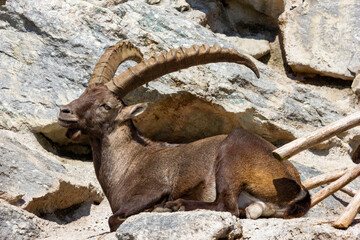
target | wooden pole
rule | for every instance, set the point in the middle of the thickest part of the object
(323, 179)
(317, 136)
(349, 191)
(350, 175)
(349, 214)
(328, 178)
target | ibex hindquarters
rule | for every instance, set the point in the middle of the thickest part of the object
(251, 182)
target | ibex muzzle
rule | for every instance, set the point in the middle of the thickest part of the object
(235, 173)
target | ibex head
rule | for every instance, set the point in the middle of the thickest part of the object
(100, 106)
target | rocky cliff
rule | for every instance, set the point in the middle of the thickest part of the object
(307, 52)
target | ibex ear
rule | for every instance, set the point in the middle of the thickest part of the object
(132, 111)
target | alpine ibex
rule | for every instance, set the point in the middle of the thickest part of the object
(137, 174)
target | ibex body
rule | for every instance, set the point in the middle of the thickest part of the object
(235, 173)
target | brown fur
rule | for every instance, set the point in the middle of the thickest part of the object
(136, 173)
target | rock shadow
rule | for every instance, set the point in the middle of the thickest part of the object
(69, 150)
(70, 214)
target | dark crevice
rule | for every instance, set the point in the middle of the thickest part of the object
(257, 31)
(265, 59)
(320, 81)
(288, 70)
(71, 151)
(20, 22)
(70, 214)
(30, 26)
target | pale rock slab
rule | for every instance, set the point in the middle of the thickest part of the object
(323, 37)
(193, 225)
(36, 181)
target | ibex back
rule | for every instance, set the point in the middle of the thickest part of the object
(235, 173)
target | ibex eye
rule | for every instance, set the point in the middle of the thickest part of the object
(107, 107)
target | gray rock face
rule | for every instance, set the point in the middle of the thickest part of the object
(323, 37)
(196, 225)
(17, 224)
(57, 69)
(35, 181)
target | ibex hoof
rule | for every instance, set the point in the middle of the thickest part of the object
(176, 205)
(161, 209)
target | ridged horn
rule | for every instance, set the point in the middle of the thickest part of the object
(109, 62)
(172, 61)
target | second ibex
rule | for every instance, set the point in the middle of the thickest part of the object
(235, 172)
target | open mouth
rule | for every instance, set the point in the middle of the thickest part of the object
(73, 134)
(67, 122)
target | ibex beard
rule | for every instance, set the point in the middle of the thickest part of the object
(235, 173)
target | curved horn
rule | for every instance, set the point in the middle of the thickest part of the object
(172, 61)
(109, 62)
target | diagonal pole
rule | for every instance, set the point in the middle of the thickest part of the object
(323, 179)
(321, 134)
(350, 175)
(349, 214)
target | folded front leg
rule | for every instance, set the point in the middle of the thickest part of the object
(188, 205)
